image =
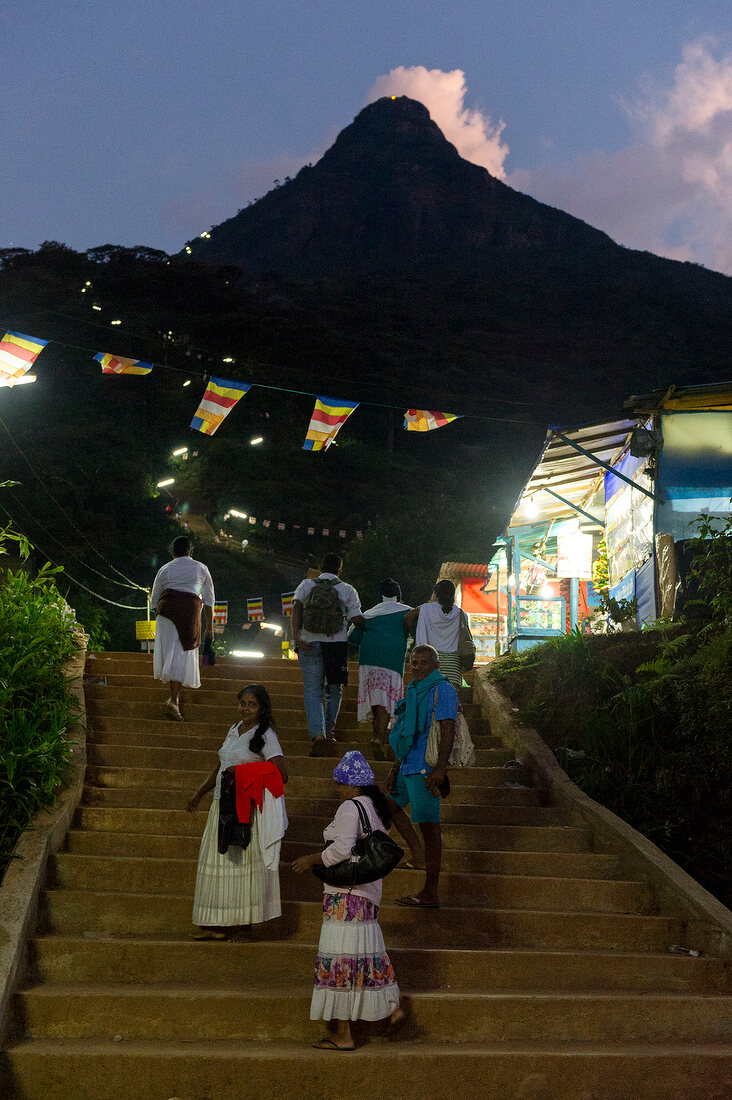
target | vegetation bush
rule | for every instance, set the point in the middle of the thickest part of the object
(643, 722)
(36, 705)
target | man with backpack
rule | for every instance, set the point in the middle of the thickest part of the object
(321, 611)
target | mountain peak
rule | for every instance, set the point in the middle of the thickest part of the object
(391, 193)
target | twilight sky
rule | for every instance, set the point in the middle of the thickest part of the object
(147, 122)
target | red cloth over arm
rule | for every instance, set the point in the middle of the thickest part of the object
(251, 782)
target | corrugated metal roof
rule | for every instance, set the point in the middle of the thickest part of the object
(572, 475)
(453, 570)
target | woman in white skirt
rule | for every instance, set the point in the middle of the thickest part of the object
(354, 979)
(241, 887)
(180, 589)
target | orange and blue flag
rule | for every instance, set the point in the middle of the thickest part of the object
(115, 364)
(216, 404)
(287, 601)
(329, 416)
(426, 420)
(18, 353)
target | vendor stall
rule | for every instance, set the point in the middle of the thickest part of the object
(612, 500)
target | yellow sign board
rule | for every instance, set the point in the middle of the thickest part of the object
(145, 630)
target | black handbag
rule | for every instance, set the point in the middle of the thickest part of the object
(232, 831)
(466, 645)
(372, 857)
(209, 653)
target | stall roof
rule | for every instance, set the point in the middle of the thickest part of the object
(456, 570)
(563, 471)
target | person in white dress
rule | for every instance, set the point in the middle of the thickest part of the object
(438, 625)
(354, 978)
(242, 886)
(180, 589)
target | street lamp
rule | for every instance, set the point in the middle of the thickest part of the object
(180, 451)
(166, 481)
(257, 439)
(23, 380)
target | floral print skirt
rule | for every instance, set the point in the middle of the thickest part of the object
(378, 687)
(354, 979)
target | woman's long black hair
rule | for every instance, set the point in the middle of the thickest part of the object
(445, 592)
(266, 718)
(380, 801)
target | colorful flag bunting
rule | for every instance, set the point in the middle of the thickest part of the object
(359, 534)
(329, 415)
(216, 404)
(311, 530)
(255, 610)
(326, 531)
(18, 353)
(265, 523)
(341, 534)
(280, 526)
(426, 420)
(115, 364)
(287, 598)
(252, 519)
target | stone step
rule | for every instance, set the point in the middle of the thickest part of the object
(48, 1070)
(294, 744)
(504, 811)
(104, 703)
(146, 1070)
(193, 1014)
(70, 959)
(554, 864)
(178, 877)
(509, 836)
(165, 916)
(467, 784)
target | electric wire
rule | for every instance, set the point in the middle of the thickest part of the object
(67, 517)
(114, 603)
(64, 547)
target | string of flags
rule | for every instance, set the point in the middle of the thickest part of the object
(19, 352)
(255, 610)
(287, 601)
(220, 616)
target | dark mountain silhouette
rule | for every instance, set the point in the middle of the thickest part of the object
(395, 258)
(390, 192)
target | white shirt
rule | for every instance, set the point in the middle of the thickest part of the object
(438, 629)
(349, 601)
(235, 750)
(342, 833)
(184, 574)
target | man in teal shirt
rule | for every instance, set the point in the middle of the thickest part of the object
(415, 783)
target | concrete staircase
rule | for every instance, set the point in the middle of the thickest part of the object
(545, 975)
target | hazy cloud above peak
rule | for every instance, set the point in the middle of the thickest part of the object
(475, 136)
(670, 190)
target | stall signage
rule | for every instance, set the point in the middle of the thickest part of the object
(145, 630)
(574, 556)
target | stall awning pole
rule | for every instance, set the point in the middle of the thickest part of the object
(606, 466)
(574, 507)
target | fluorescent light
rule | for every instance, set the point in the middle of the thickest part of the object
(180, 451)
(97, 307)
(167, 481)
(531, 508)
(272, 626)
(239, 515)
(512, 581)
(24, 380)
(187, 382)
(245, 653)
(227, 360)
(257, 439)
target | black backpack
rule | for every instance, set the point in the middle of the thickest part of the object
(321, 609)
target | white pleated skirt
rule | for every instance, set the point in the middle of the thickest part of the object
(354, 978)
(170, 660)
(235, 888)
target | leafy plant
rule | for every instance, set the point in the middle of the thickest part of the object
(36, 705)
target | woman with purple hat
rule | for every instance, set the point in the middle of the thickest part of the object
(354, 979)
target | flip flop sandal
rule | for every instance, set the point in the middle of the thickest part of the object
(209, 934)
(329, 1044)
(412, 901)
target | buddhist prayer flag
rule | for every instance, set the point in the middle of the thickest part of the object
(311, 530)
(255, 610)
(18, 353)
(329, 415)
(115, 364)
(216, 404)
(341, 534)
(280, 526)
(426, 420)
(220, 617)
(287, 598)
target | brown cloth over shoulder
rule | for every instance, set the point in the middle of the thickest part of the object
(184, 611)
